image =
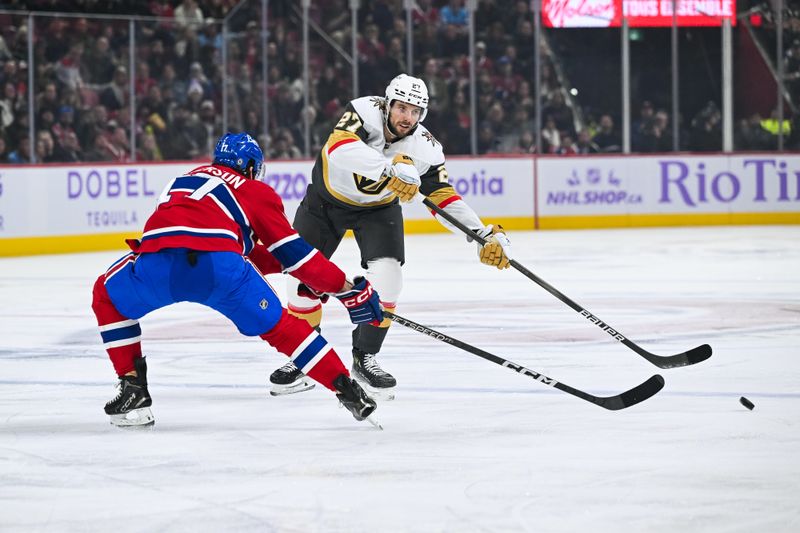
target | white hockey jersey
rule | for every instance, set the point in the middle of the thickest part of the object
(351, 167)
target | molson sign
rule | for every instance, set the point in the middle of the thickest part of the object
(640, 13)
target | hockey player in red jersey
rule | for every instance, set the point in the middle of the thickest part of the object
(377, 155)
(217, 230)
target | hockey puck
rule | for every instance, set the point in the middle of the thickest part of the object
(747, 403)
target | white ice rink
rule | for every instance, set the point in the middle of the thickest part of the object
(468, 446)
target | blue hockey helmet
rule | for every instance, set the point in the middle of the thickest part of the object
(239, 151)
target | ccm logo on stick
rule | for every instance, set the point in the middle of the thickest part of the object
(522, 370)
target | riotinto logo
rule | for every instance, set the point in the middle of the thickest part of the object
(771, 178)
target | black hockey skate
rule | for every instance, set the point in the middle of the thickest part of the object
(377, 381)
(355, 400)
(288, 379)
(131, 407)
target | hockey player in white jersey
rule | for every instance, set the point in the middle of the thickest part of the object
(379, 153)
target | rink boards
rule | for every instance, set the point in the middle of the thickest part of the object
(83, 207)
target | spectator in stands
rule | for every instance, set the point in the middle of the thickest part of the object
(188, 13)
(455, 14)
(551, 137)
(560, 112)
(526, 144)
(512, 17)
(158, 58)
(69, 68)
(452, 42)
(100, 62)
(584, 144)
(3, 150)
(66, 118)
(567, 146)
(706, 134)
(642, 126)
(507, 82)
(751, 136)
(524, 42)
(438, 93)
(5, 50)
(7, 106)
(210, 38)
(328, 86)
(44, 147)
(607, 139)
(197, 76)
(487, 140)
(283, 147)
(143, 81)
(148, 149)
(210, 120)
(115, 95)
(496, 40)
(22, 154)
(424, 12)
(549, 83)
(456, 125)
(496, 120)
(792, 69)
(69, 150)
(187, 136)
(520, 124)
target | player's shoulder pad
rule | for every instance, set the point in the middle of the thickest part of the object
(423, 146)
(370, 109)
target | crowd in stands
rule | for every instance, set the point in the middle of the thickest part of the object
(82, 74)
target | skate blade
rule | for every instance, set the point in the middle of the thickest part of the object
(135, 419)
(374, 421)
(301, 385)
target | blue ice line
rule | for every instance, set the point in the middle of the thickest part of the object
(697, 394)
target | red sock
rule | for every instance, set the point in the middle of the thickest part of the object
(121, 335)
(308, 349)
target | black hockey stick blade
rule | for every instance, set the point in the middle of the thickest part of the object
(693, 356)
(636, 395)
(690, 357)
(626, 399)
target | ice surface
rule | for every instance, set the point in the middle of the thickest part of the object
(468, 445)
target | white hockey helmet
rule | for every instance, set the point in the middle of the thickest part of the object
(410, 90)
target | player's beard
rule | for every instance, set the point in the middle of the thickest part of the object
(394, 127)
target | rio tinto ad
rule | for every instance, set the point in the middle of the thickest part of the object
(640, 13)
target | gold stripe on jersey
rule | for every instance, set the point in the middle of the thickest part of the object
(339, 136)
(440, 195)
(313, 316)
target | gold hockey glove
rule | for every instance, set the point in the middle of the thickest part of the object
(404, 178)
(497, 250)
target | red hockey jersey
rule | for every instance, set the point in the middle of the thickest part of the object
(214, 208)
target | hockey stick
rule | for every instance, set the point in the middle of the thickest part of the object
(691, 357)
(637, 394)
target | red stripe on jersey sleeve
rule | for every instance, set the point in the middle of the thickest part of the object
(338, 144)
(445, 203)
